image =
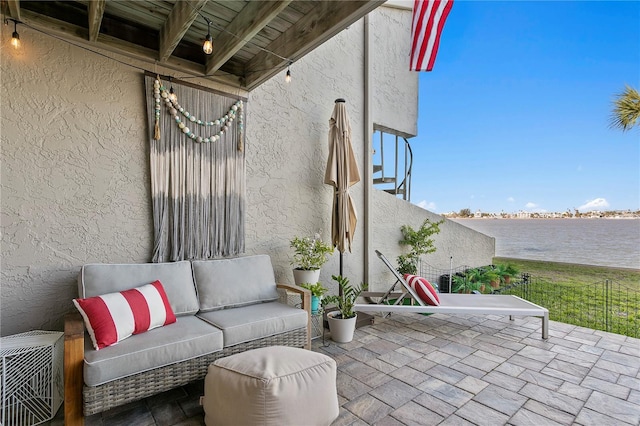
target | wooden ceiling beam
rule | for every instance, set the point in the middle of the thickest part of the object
(175, 27)
(79, 35)
(249, 22)
(14, 9)
(96, 11)
(319, 25)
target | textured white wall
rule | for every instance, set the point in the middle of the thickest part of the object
(287, 148)
(75, 174)
(395, 88)
(467, 247)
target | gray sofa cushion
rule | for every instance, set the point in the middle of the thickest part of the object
(176, 278)
(228, 283)
(185, 339)
(240, 325)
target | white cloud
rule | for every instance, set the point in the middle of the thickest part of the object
(431, 206)
(595, 204)
(533, 208)
(511, 199)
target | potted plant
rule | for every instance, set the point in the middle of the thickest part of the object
(505, 272)
(420, 242)
(484, 276)
(317, 291)
(310, 253)
(462, 284)
(342, 322)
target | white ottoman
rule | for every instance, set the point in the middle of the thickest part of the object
(276, 385)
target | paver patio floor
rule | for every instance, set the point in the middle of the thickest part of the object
(412, 369)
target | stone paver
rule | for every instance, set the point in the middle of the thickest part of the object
(614, 407)
(454, 370)
(415, 414)
(500, 399)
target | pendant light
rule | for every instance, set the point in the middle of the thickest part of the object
(287, 77)
(207, 46)
(15, 37)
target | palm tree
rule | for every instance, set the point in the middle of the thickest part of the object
(626, 109)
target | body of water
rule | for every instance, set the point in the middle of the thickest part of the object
(604, 242)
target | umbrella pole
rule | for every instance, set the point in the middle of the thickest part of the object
(340, 288)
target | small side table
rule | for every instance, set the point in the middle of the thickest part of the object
(293, 299)
(32, 377)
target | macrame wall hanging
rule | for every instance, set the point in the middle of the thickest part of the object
(197, 171)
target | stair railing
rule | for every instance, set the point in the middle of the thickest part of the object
(402, 186)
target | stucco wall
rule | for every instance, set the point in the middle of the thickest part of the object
(465, 246)
(395, 88)
(287, 148)
(74, 174)
(75, 162)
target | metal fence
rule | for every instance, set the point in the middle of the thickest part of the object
(440, 277)
(604, 305)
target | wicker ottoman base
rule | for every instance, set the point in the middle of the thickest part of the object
(271, 386)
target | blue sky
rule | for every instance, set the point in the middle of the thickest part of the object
(515, 114)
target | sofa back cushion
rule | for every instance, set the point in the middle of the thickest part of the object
(98, 278)
(228, 283)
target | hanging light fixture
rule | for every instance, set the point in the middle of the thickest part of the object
(15, 37)
(172, 95)
(207, 46)
(287, 77)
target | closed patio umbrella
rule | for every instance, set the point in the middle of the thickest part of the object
(342, 173)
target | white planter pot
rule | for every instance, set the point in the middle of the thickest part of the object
(301, 276)
(341, 329)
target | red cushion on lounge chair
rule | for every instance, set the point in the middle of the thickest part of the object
(423, 289)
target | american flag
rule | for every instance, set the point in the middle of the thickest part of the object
(428, 21)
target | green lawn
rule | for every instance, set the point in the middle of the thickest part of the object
(597, 297)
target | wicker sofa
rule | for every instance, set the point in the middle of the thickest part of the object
(222, 306)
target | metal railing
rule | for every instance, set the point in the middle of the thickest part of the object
(399, 182)
(605, 305)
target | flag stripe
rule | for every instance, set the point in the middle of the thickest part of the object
(428, 21)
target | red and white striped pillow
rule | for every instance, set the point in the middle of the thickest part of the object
(423, 289)
(113, 317)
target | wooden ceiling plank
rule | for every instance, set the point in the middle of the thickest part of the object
(178, 22)
(96, 11)
(14, 9)
(319, 25)
(79, 35)
(249, 22)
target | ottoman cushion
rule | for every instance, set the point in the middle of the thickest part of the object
(276, 385)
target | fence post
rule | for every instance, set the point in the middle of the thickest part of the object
(606, 305)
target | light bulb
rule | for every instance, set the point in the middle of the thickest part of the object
(287, 78)
(207, 46)
(15, 39)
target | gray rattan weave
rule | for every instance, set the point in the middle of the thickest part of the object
(128, 389)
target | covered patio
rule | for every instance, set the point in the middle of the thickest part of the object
(413, 369)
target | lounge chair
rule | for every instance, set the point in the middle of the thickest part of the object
(468, 304)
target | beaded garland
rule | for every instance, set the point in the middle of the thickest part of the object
(223, 123)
